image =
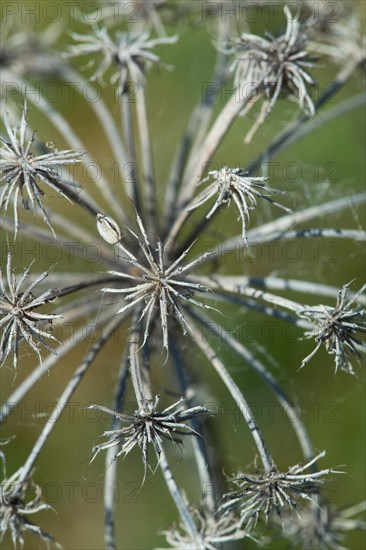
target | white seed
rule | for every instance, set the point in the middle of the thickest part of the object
(108, 229)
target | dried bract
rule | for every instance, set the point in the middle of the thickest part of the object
(159, 285)
(273, 491)
(213, 531)
(268, 66)
(21, 170)
(233, 183)
(336, 328)
(129, 53)
(149, 426)
(19, 316)
(15, 507)
(24, 53)
(323, 527)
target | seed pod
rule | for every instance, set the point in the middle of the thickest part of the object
(108, 229)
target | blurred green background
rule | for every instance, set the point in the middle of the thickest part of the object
(333, 407)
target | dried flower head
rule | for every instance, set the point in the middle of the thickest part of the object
(149, 426)
(19, 316)
(213, 531)
(23, 52)
(21, 171)
(129, 54)
(336, 328)
(234, 183)
(273, 491)
(157, 284)
(344, 41)
(271, 65)
(323, 527)
(15, 507)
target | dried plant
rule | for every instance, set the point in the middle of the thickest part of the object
(274, 491)
(149, 427)
(165, 295)
(17, 506)
(234, 184)
(336, 328)
(271, 66)
(20, 318)
(22, 170)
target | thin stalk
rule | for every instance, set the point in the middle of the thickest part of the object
(178, 498)
(198, 162)
(27, 384)
(76, 311)
(323, 232)
(110, 482)
(58, 293)
(195, 131)
(274, 229)
(290, 409)
(65, 397)
(294, 130)
(263, 308)
(210, 353)
(199, 445)
(87, 203)
(147, 159)
(297, 131)
(141, 384)
(295, 285)
(235, 285)
(131, 179)
(103, 114)
(66, 130)
(315, 233)
(83, 235)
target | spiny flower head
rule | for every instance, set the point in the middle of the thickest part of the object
(323, 526)
(21, 170)
(272, 65)
(234, 184)
(19, 316)
(213, 531)
(129, 53)
(273, 491)
(16, 507)
(159, 286)
(149, 426)
(23, 52)
(345, 42)
(336, 328)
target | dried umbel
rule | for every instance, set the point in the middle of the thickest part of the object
(337, 328)
(23, 173)
(212, 531)
(324, 526)
(127, 54)
(149, 427)
(20, 318)
(16, 509)
(159, 287)
(269, 66)
(157, 272)
(274, 491)
(24, 53)
(234, 184)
